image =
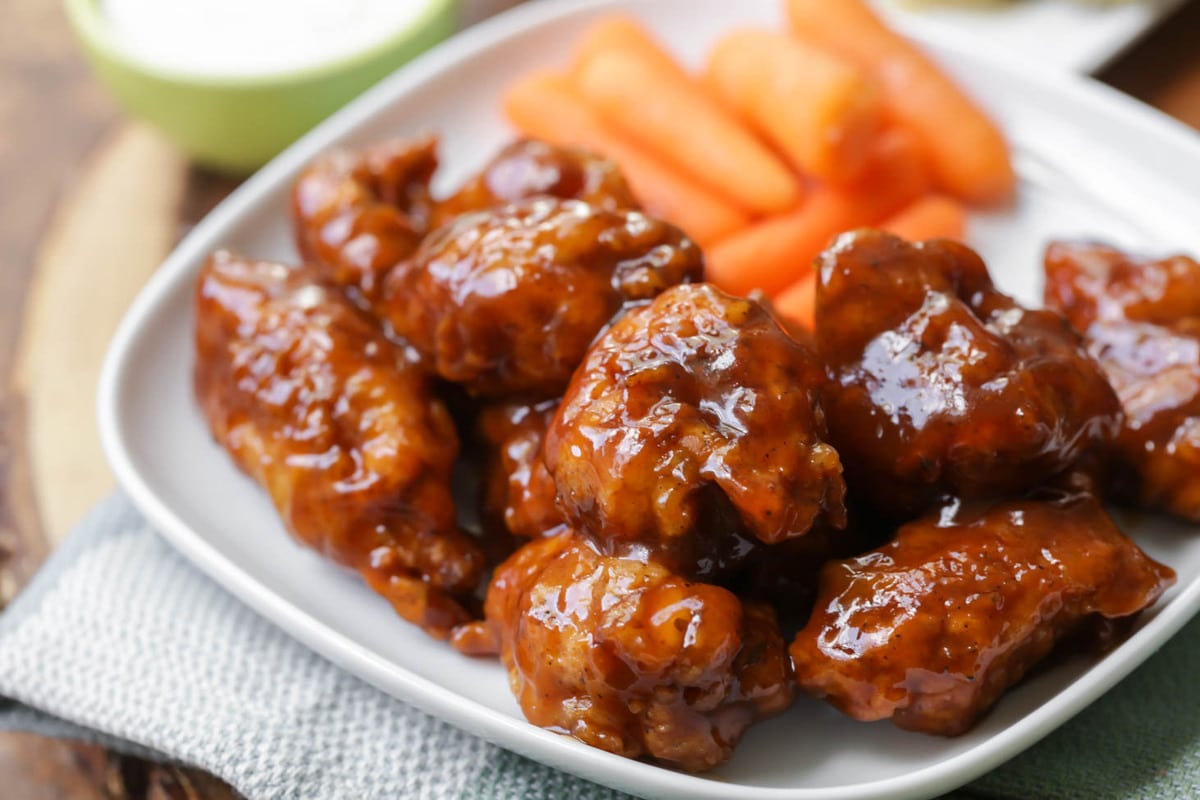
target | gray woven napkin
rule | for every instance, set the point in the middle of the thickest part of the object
(119, 639)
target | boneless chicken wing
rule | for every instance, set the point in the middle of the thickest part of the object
(1089, 282)
(518, 489)
(339, 427)
(940, 384)
(1141, 320)
(632, 659)
(531, 168)
(507, 301)
(694, 419)
(359, 213)
(930, 629)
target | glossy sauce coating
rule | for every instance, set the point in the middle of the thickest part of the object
(519, 492)
(507, 301)
(942, 385)
(359, 213)
(1091, 282)
(528, 168)
(692, 420)
(339, 427)
(930, 629)
(629, 658)
(785, 574)
(1141, 320)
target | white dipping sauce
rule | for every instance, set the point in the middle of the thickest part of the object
(254, 37)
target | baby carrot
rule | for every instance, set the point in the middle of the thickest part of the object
(623, 33)
(966, 151)
(934, 216)
(820, 111)
(680, 123)
(772, 254)
(547, 107)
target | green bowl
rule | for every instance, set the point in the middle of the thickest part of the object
(237, 124)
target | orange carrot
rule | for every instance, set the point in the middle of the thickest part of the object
(681, 124)
(774, 253)
(547, 107)
(966, 151)
(797, 303)
(934, 216)
(627, 34)
(820, 111)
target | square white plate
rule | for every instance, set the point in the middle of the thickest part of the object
(1090, 161)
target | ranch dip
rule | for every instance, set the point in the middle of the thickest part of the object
(229, 38)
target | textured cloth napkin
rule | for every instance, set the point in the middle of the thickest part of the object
(119, 639)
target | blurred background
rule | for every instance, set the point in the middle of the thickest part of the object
(90, 202)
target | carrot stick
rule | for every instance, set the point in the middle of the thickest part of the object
(820, 111)
(967, 152)
(797, 303)
(772, 254)
(681, 124)
(625, 34)
(934, 216)
(547, 107)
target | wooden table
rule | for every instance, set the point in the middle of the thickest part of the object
(89, 204)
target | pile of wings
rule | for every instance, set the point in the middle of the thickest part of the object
(671, 511)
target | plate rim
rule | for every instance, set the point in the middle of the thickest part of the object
(495, 726)
(1089, 57)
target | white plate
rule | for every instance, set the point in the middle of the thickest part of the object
(1077, 35)
(1091, 162)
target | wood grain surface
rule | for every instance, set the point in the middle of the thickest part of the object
(90, 265)
(89, 204)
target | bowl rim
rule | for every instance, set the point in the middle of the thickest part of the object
(91, 27)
